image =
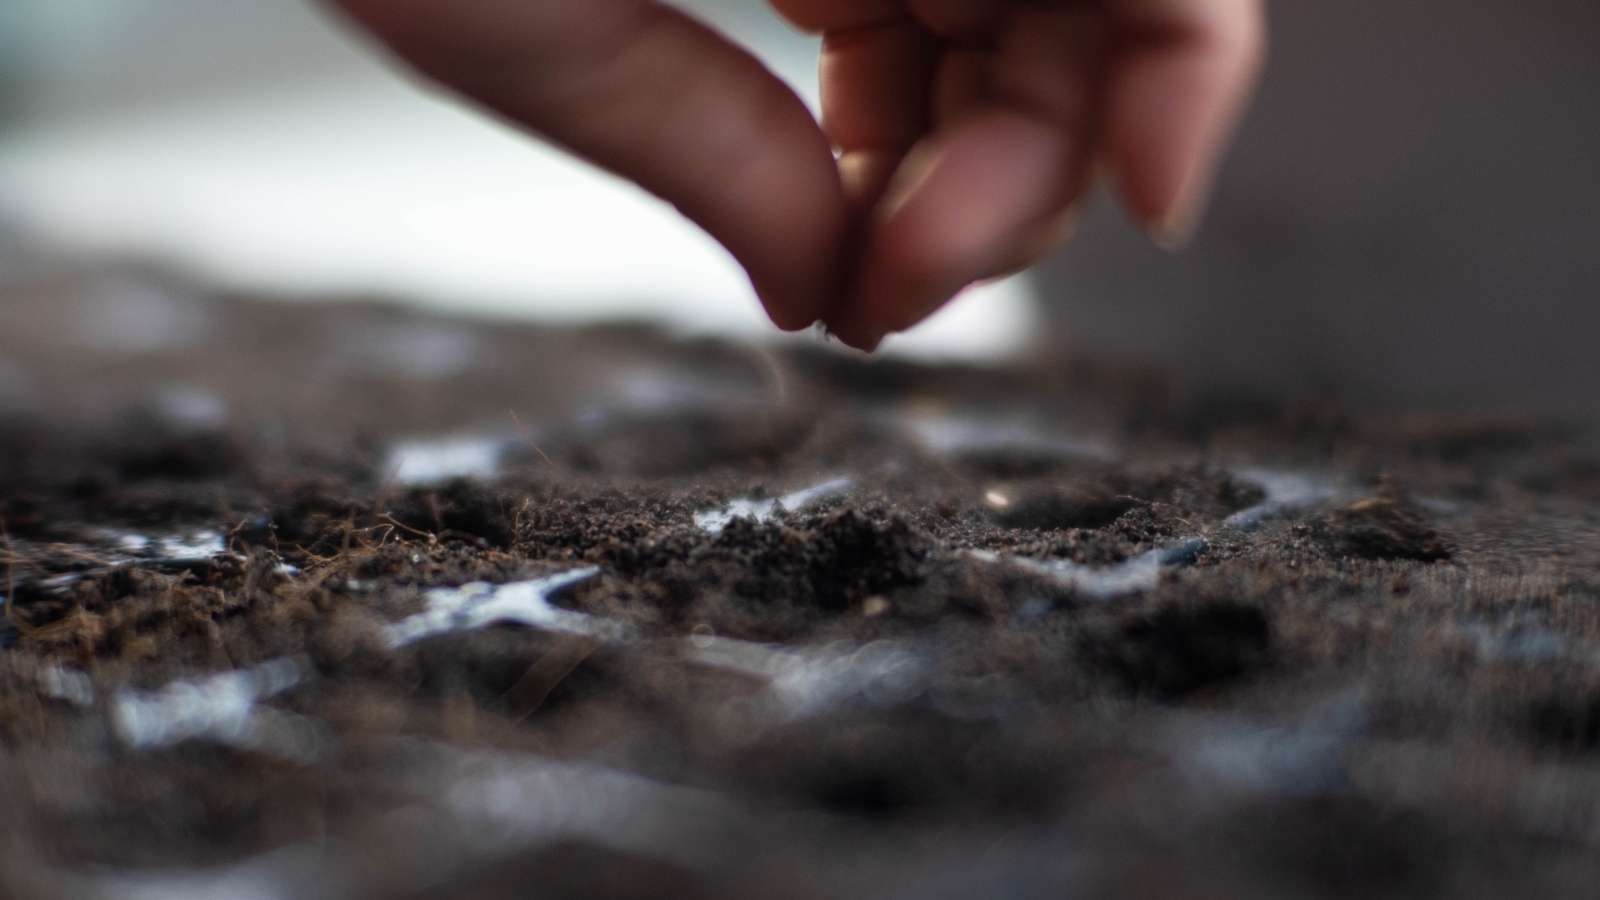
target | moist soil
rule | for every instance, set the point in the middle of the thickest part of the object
(1363, 660)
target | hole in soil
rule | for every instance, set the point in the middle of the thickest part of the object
(902, 765)
(1176, 651)
(460, 509)
(1568, 720)
(879, 793)
(581, 870)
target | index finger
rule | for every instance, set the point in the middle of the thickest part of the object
(648, 93)
(1175, 91)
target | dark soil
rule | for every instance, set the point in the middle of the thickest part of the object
(1365, 660)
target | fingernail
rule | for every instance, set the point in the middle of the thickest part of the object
(1173, 234)
(864, 343)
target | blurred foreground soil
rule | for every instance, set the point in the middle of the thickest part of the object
(341, 601)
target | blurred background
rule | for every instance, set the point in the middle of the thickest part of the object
(1412, 215)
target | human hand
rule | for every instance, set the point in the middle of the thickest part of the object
(970, 130)
(967, 130)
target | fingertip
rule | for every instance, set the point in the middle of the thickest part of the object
(651, 94)
(1173, 237)
(1165, 195)
(792, 324)
(1173, 104)
(854, 335)
(787, 310)
(985, 198)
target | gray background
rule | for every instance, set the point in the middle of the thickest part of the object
(1412, 215)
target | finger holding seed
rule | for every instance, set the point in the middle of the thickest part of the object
(968, 130)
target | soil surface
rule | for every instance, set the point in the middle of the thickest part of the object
(337, 601)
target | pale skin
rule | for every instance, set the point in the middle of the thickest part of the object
(958, 137)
